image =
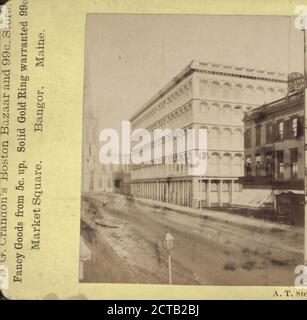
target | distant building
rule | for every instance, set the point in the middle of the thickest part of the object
(90, 161)
(274, 156)
(97, 177)
(114, 178)
(211, 96)
(105, 179)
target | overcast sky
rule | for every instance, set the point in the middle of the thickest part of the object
(131, 57)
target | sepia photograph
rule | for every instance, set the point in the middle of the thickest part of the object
(193, 150)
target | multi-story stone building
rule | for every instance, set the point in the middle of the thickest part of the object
(211, 96)
(274, 156)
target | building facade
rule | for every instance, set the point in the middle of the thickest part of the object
(114, 178)
(274, 155)
(210, 96)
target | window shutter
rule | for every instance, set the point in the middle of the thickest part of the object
(300, 126)
(293, 156)
(275, 132)
(287, 129)
(267, 134)
(272, 138)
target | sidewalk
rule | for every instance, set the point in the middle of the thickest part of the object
(224, 217)
(248, 223)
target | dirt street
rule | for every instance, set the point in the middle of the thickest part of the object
(125, 237)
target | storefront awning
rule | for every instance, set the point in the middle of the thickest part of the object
(253, 198)
(277, 192)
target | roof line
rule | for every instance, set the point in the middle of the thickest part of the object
(215, 68)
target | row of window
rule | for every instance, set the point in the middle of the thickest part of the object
(264, 164)
(214, 186)
(218, 164)
(237, 91)
(228, 137)
(182, 114)
(216, 90)
(279, 131)
(181, 92)
(281, 163)
(183, 158)
(213, 110)
(204, 107)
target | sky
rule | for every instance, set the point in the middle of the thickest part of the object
(129, 57)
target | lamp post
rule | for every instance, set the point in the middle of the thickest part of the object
(168, 244)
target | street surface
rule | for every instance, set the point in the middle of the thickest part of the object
(125, 237)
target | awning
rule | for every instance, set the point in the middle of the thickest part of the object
(253, 198)
(277, 192)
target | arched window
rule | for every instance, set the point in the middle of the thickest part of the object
(227, 137)
(270, 95)
(203, 133)
(186, 90)
(215, 111)
(215, 89)
(189, 113)
(226, 112)
(238, 91)
(249, 91)
(204, 88)
(260, 94)
(204, 108)
(214, 164)
(238, 165)
(226, 164)
(180, 93)
(227, 90)
(214, 138)
(238, 111)
(238, 138)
